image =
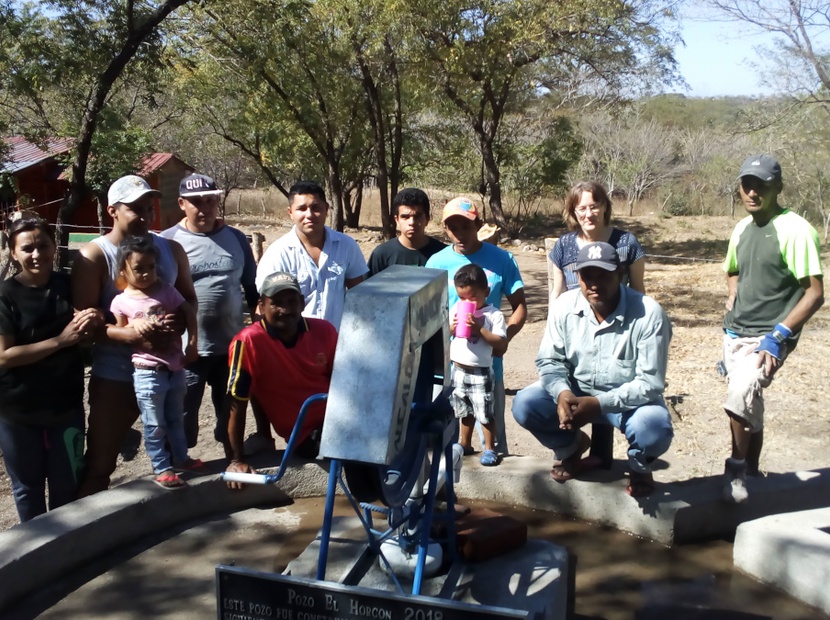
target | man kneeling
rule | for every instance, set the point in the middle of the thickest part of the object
(280, 361)
(602, 360)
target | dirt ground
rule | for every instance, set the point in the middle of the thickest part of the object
(683, 273)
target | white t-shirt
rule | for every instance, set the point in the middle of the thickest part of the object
(474, 351)
(323, 286)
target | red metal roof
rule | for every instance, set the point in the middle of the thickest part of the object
(153, 162)
(24, 154)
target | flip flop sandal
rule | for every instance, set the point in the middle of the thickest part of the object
(170, 481)
(640, 484)
(489, 458)
(190, 465)
(568, 468)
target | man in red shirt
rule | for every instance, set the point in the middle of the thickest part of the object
(281, 360)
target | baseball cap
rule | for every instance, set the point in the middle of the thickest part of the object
(128, 189)
(197, 185)
(599, 254)
(462, 206)
(765, 167)
(279, 281)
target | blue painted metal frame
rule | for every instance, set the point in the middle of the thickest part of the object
(441, 444)
(441, 440)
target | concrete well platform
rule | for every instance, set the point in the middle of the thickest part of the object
(533, 578)
(790, 551)
(35, 554)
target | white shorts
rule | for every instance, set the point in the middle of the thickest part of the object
(744, 394)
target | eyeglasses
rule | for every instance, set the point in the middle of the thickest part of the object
(592, 208)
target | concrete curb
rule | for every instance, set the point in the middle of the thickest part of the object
(791, 552)
(35, 554)
(679, 512)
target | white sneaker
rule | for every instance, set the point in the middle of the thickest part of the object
(256, 443)
(734, 482)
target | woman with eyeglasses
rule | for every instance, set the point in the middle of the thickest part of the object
(588, 216)
(41, 373)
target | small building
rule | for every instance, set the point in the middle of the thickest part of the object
(163, 172)
(40, 179)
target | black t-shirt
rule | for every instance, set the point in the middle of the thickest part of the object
(47, 392)
(394, 253)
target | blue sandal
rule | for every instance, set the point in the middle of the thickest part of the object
(489, 458)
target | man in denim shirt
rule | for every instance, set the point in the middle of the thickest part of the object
(602, 360)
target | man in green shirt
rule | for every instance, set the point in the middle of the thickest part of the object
(774, 282)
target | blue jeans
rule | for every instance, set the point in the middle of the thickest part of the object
(209, 370)
(160, 396)
(35, 455)
(647, 428)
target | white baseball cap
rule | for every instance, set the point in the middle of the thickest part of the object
(128, 189)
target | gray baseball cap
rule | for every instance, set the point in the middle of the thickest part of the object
(765, 167)
(279, 281)
(128, 189)
(598, 254)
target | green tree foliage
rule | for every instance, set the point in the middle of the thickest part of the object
(489, 58)
(294, 52)
(66, 59)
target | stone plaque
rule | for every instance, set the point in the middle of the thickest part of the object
(244, 594)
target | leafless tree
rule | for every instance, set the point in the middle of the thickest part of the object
(802, 48)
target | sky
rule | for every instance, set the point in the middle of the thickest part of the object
(714, 59)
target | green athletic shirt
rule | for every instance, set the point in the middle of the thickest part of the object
(770, 261)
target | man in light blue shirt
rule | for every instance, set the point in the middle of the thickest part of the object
(602, 360)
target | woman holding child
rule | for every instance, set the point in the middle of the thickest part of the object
(588, 216)
(41, 373)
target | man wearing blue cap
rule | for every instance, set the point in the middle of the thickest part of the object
(774, 282)
(222, 267)
(602, 360)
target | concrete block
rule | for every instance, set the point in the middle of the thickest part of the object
(38, 552)
(790, 551)
(677, 512)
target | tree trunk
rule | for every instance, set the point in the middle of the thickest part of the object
(492, 176)
(101, 199)
(136, 36)
(374, 106)
(358, 204)
(335, 192)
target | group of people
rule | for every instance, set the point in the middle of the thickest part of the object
(604, 353)
(132, 294)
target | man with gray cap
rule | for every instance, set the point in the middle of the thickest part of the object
(112, 404)
(280, 360)
(602, 360)
(222, 266)
(774, 285)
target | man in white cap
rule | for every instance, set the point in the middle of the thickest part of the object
(775, 284)
(462, 222)
(222, 266)
(112, 404)
(602, 360)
